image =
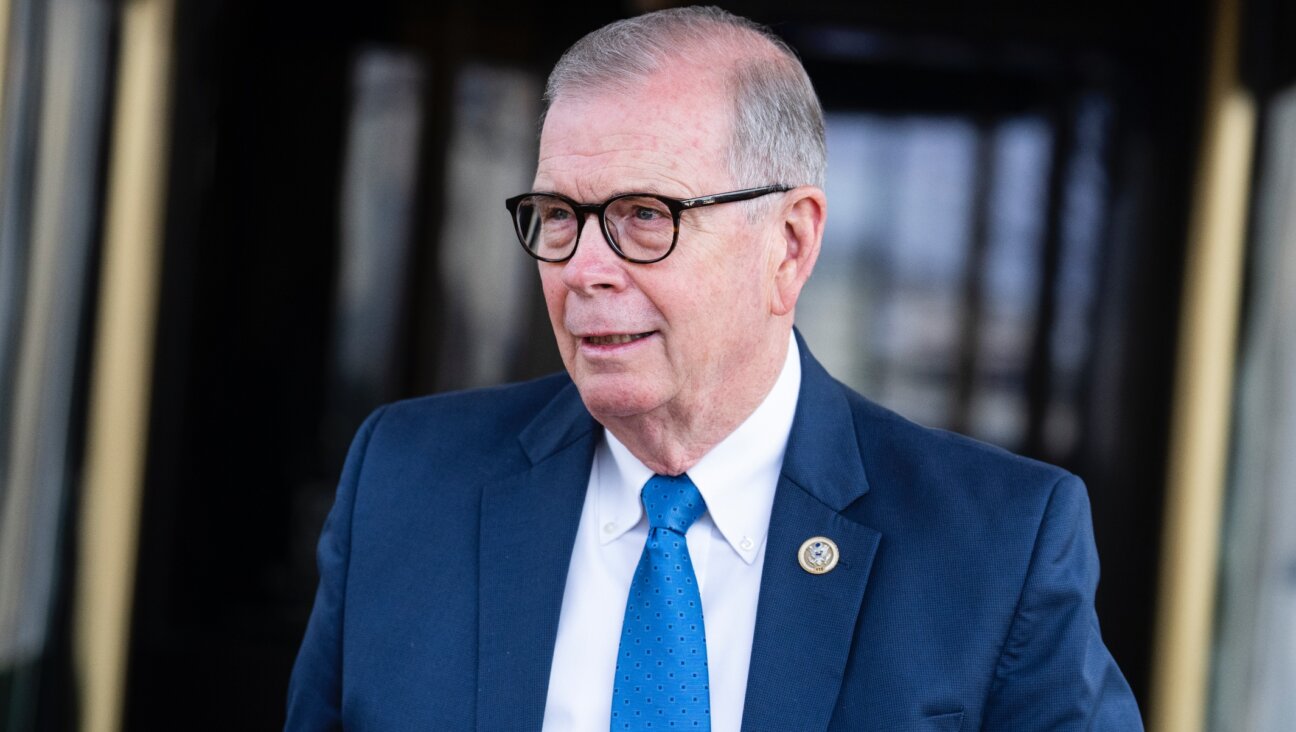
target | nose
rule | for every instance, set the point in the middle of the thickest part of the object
(594, 266)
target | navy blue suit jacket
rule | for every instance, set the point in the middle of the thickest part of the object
(963, 599)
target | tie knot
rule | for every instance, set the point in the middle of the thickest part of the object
(672, 502)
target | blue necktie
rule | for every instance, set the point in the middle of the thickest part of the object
(661, 677)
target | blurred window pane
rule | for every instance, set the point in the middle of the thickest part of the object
(1255, 668)
(485, 274)
(49, 203)
(919, 292)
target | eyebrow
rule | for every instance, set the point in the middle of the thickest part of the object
(619, 192)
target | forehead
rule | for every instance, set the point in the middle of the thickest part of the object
(666, 135)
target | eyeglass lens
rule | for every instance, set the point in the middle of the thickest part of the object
(641, 227)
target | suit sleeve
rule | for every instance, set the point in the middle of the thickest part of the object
(1054, 671)
(315, 688)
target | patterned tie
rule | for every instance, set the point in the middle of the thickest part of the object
(661, 677)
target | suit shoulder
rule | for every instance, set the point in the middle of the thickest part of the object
(930, 489)
(494, 408)
(913, 454)
(457, 426)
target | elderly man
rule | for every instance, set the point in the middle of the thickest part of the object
(695, 526)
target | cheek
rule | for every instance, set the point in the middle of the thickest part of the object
(551, 286)
(715, 311)
(555, 297)
(739, 292)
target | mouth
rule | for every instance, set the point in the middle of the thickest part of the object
(617, 339)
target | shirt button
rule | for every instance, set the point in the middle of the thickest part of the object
(609, 527)
(746, 544)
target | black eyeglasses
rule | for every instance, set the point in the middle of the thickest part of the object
(640, 227)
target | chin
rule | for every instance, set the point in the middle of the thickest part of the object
(617, 401)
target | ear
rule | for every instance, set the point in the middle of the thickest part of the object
(801, 223)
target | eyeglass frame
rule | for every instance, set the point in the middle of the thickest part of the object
(676, 206)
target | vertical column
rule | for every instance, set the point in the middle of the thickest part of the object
(1202, 407)
(122, 362)
(4, 53)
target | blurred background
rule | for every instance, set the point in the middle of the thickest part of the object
(231, 228)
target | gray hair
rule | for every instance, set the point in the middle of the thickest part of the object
(778, 127)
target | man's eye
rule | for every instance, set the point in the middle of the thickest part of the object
(557, 214)
(644, 213)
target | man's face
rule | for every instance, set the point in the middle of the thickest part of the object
(669, 338)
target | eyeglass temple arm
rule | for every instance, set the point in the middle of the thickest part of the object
(743, 195)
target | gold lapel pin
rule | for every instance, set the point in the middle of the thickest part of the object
(818, 555)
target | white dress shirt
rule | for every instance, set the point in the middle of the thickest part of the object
(737, 479)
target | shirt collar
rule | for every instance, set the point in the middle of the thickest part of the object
(737, 478)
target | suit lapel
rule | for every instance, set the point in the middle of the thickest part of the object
(805, 623)
(528, 527)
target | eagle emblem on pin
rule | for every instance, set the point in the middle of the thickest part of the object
(818, 555)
